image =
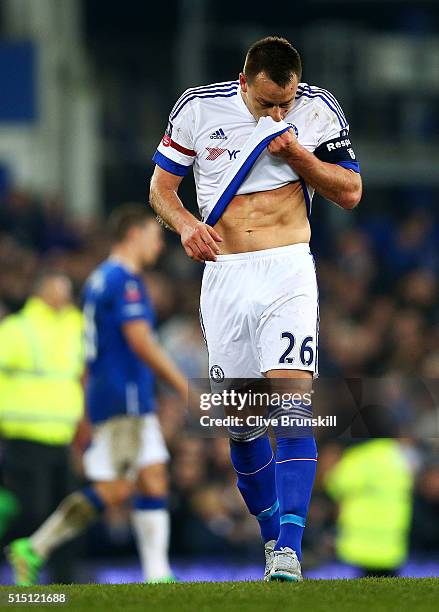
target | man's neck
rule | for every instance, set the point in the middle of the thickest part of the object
(244, 99)
(126, 257)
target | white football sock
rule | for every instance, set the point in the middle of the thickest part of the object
(151, 528)
(71, 517)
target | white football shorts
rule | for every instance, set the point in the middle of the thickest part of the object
(259, 312)
(123, 445)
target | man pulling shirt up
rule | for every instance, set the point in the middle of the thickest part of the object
(260, 147)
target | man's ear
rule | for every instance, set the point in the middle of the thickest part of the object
(243, 82)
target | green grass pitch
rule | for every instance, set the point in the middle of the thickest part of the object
(368, 594)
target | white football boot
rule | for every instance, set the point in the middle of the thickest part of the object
(269, 556)
(285, 566)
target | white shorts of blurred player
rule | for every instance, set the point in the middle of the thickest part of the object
(259, 311)
(123, 445)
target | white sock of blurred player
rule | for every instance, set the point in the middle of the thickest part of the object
(151, 528)
(76, 512)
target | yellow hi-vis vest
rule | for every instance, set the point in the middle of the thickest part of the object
(372, 484)
(41, 362)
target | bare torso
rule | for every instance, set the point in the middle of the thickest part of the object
(264, 220)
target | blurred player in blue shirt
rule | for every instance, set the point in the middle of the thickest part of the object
(119, 382)
(127, 455)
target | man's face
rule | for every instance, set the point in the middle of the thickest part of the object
(56, 291)
(150, 241)
(266, 99)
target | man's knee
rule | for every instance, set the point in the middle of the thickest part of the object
(153, 480)
(77, 509)
(114, 492)
(247, 434)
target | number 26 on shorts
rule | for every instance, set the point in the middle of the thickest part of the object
(306, 352)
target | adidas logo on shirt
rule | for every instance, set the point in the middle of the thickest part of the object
(218, 135)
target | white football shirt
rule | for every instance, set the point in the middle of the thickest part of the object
(209, 126)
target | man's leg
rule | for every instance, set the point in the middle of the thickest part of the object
(150, 518)
(76, 512)
(254, 464)
(103, 467)
(25, 465)
(63, 481)
(255, 468)
(296, 461)
(229, 326)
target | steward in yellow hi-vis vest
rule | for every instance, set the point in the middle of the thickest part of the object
(41, 402)
(41, 363)
(372, 484)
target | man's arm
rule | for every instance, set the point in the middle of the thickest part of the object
(141, 340)
(333, 182)
(164, 199)
(198, 239)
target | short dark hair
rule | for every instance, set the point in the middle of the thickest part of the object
(124, 217)
(276, 57)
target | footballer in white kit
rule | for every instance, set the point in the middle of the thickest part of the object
(258, 311)
(259, 148)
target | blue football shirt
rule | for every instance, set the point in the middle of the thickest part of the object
(118, 381)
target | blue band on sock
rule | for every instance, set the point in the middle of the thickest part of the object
(94, 498)
(268, 513)
(292, 518)
(146, 502)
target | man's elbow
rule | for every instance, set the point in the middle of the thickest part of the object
(350, 201)
(351, 198)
